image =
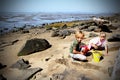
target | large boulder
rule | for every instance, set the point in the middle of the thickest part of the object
(34, 45)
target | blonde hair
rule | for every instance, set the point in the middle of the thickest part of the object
(77, 33)
(103, 33)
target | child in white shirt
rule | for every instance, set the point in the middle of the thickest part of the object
(99, 43)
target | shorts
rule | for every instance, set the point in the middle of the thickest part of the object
(78, 56)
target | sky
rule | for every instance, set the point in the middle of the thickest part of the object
(83, 6)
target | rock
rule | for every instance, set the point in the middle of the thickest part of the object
(20, 28)
(54, 29)
(92, 28)
(116, 68)
(44, 78)
(2, 77)
(110, 70)
(13, 42)
(64, 33)
(100, 21)
(70, 74)
(55, 33)
(83, 27)
(88, 26)
(104, 28)
(48, 28)
(115, 37)
(1, 50)
(83, 77)
(34, 45)
(72, 31)
(64, 26)
(2, 66)
(93, 35)
(25, 31)
(57, 77)
(21, 64)
(118, 29)
(27, 74)
(97, 30)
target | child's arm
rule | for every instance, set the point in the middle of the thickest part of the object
(106, 49)
(95, 46)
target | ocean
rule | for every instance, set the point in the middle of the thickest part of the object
(19, 19)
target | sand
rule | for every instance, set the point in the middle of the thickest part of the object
(58, 61)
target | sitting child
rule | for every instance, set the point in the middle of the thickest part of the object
(77, 51)
(99, 43)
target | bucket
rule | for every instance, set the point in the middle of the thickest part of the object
(96, 55)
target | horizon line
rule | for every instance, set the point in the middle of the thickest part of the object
(59, 12)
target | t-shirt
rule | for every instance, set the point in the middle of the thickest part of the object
(76, 45)
(97, 42)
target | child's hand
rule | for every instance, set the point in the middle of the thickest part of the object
(95, 46)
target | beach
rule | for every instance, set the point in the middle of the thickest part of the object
(55, 62)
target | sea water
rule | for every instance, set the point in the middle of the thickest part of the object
(19, 19)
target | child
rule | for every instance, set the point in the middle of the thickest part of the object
(76, 50)
(99, 43)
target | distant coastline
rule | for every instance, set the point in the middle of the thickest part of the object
(19, 19)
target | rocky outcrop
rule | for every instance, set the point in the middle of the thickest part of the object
(62, 33)
(100, 21)
(116, 68)
(94, 26)
(23, 67)
(21, 64)
(29, 73)
(34, 45)
(68, 75)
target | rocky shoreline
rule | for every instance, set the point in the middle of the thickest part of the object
(53, 63)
